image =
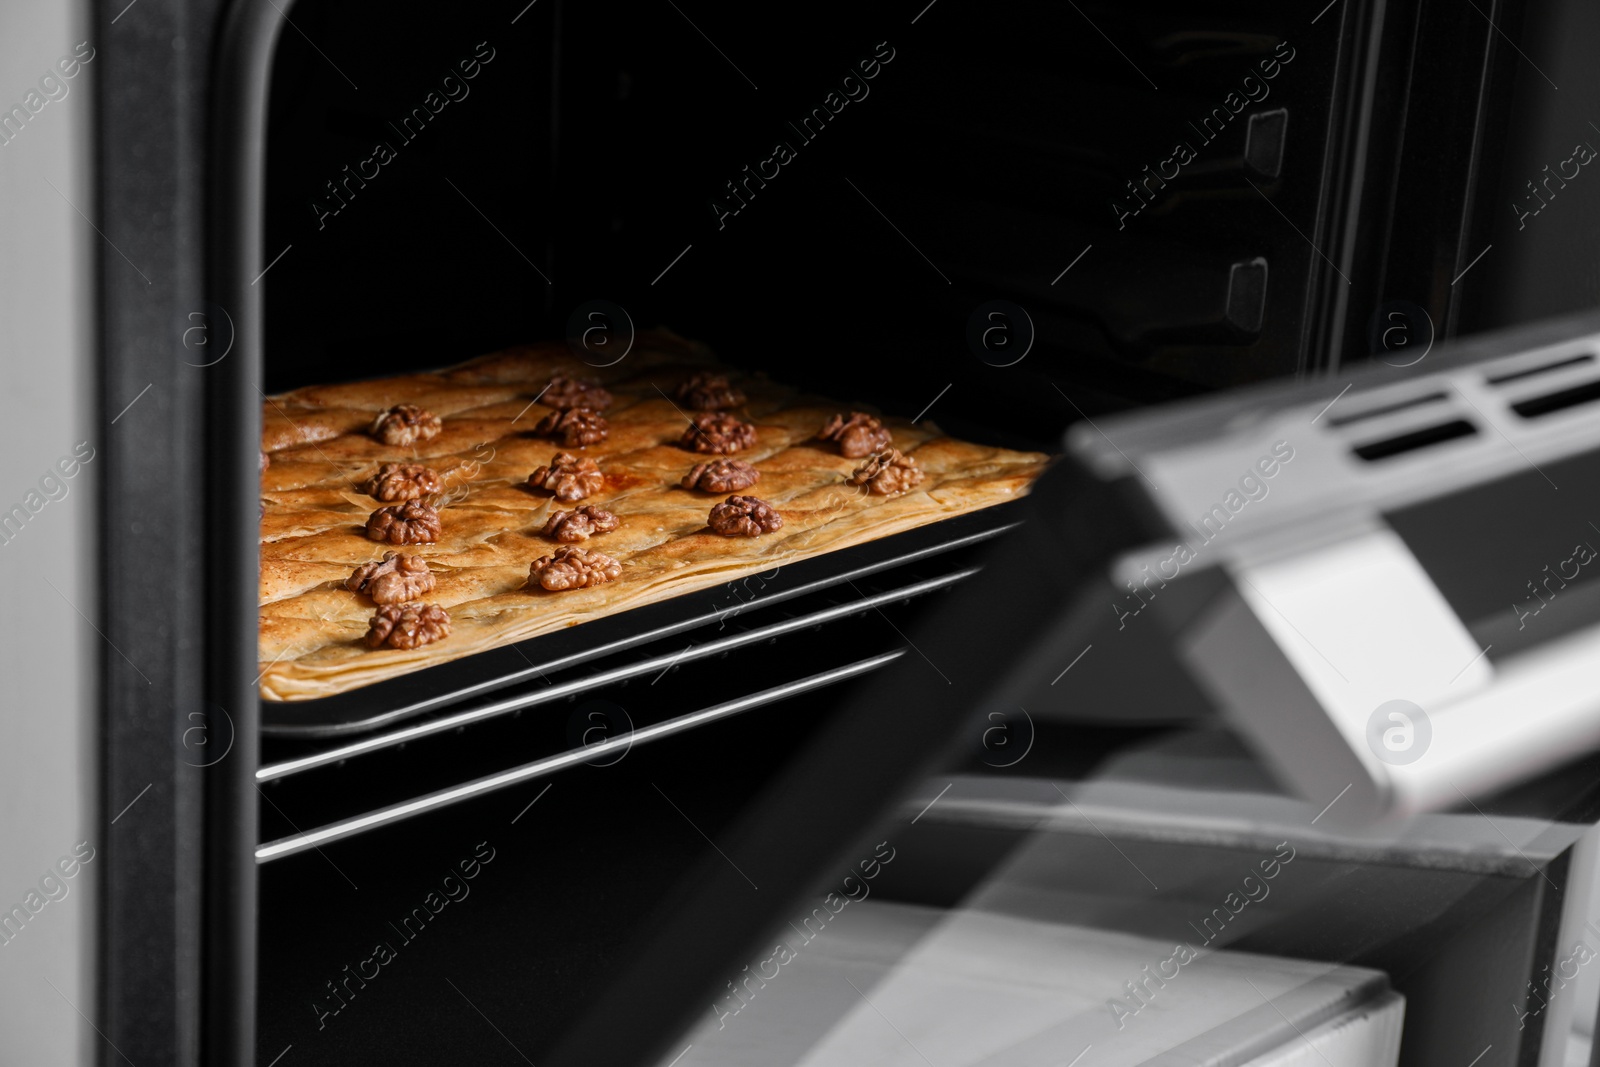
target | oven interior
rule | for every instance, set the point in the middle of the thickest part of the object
(447, 180)
(600, 141)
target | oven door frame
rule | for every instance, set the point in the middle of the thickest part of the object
(177, 544)
(179, 161)
(236, 197)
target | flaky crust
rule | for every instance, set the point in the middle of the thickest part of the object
(312, 628)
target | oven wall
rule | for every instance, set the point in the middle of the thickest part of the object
(49, 650)
(1544, 260)
(607, 151)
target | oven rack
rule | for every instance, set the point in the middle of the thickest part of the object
(310, 839)
(825, 618)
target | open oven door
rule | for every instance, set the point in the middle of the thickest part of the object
(1339, 607)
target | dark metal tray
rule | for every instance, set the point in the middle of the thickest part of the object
(431, 688)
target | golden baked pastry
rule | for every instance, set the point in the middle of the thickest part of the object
(313, 535)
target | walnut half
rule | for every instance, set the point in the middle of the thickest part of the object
(576, 428)
(578, 524)
(859, 435)
(406, 424)
(744, 516)
(709, 392)
(568, 477)
(717, 432)
(573, 568)
(721, 476)
(888, 472)
(393, 580)
(564, 393)
(411, 523)
(403, 481)
(407, 626)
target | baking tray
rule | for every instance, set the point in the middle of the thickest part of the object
(432, 688)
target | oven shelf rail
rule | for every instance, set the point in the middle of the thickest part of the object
(548, 765)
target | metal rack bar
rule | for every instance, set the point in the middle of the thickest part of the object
(288, 846)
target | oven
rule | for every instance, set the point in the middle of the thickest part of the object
(1003, 223)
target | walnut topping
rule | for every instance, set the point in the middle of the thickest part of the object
(722, 476)
(406, 424)
(578, 524)
(407, 626)
(859, 435)
(564, 393)
(709, 392)
(568, 477)
(888, 472)
(411, 523)
(403, 481)
(573, 568)
(394, 580)
(576, 428)
(717, 432)
(744, 516)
